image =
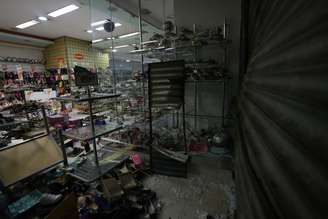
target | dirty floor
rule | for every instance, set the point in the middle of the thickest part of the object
(209, 189)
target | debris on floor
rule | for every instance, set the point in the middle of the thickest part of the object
(208, 191)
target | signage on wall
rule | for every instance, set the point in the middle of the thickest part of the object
(78, 56)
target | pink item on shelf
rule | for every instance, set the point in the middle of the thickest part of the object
(71, 126)
(58, 126)
(136, 160)
(55, 119)
(198, 147)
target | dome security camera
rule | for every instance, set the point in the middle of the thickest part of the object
(109, 26)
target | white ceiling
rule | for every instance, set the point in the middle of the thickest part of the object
(15, 12)
(75, 24)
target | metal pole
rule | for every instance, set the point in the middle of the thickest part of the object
(194, 46)
(63, 147)
(223, 102)
(93, 129)
(196, 103)
(143, 78)
(45, 119)
(225, 65)
(150, 124)
(184, 126)
(178, 118)
(114, 79)
(25, 111)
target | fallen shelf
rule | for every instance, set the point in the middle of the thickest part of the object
(88, 172)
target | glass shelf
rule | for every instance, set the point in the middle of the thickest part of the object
(85, 133)
(86, 98)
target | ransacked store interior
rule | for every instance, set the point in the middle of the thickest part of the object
(168, 109)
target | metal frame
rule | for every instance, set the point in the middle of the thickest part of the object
(150, 106)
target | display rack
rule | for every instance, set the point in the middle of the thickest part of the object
(193, 52)
(166, 90)
(41, 109)
(34, 136)
(92, 168)
(195, 113)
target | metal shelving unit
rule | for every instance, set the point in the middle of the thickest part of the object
(222, 82)
(93, 167)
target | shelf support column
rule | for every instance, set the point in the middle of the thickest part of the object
(61, 137)
(93, 130)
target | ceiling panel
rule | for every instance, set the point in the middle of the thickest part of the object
(73, 24)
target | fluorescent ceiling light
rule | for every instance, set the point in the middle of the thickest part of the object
(123, 46)
(63, 10)
(114, 50)
(168, 49)
(109, 38)
(89, 31)
(97, 23)
(96, 41)
(128, 60)
(138, 50)
(100, 28)
(151, 41)
(159, 48)
(42, 18)
(129, 35)
(27, 24)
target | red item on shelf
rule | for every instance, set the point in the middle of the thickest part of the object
(136, 160)
(199, 147)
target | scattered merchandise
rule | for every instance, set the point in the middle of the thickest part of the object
(83, 136)
(21, 60)
(25, 203)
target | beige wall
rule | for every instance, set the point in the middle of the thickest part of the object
(63, 53)
(54, 55)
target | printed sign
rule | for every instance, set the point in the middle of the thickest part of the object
(78, 56)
